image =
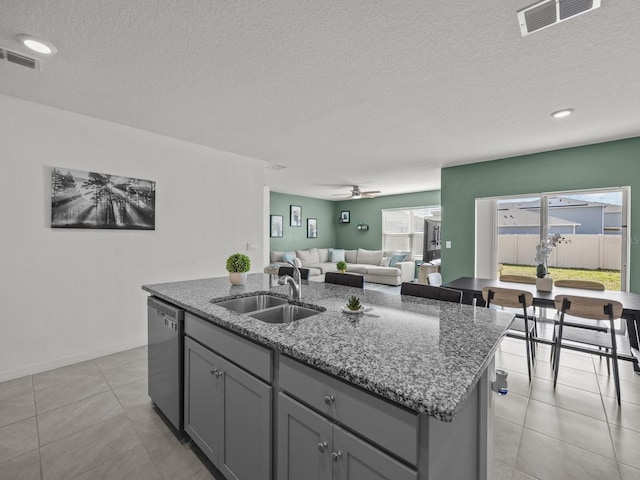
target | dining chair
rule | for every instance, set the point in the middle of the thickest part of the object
(304, 272)
(584, 284)
(429, 291)
(450, 295)
(518, 279)
(347, 279)
(523, 326)
(435, 279)
(587, 340)
(577, 322)
(521, 279)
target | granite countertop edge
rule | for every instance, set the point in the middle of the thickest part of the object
(440, 401)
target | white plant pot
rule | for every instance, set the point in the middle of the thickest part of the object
(237, 278)
(544, 284)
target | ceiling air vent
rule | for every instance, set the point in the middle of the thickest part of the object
(19, 59)
(549, 12)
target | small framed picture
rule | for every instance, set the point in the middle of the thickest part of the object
(345, 216)
(296, 216)
(277, 222)
(312, 228)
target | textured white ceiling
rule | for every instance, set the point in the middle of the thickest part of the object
(379, 93)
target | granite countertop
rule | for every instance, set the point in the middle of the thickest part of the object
(423, 354)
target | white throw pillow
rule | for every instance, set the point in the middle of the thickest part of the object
(351, 256)
(323, 255)
(337, 255)
(369, 257)
(308, 257)
(384, 262)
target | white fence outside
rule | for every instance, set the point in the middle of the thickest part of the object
(591, 252)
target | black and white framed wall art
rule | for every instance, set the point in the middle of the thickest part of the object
(345, 216)
(277, 223)
(312, 228)
(82, 199)
(296, 216)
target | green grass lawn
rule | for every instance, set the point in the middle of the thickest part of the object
(610, 278)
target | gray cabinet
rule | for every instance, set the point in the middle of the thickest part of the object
(227, 414)
(311, 447)
(355, 459)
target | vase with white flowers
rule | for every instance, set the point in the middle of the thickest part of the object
(544, 282)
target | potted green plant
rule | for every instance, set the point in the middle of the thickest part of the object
(238, 265)
(354, 303)
(341, 266)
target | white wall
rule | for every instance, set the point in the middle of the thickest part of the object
(68, 295)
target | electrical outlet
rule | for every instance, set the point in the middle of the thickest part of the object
(448, 244)
(252, 246)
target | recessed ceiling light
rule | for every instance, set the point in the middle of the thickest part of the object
(36, 44)
(565, 112)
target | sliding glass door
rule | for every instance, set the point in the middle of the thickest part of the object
(592, 225)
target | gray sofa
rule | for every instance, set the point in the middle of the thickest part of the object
(370, 263)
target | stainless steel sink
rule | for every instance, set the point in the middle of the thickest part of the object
(284, 314)
(252, 303)
(268, 308)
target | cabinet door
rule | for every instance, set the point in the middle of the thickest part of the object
(304, 442)
(201, 399)
(355, 459)
(245, 433)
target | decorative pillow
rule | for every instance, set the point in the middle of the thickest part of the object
(390, 253)
(369, 257)
(276, 256)
(308, 257)
(351, 256)
(323, 253)
(337, 255)
(397, 257)
(384, 262)
(288, 257)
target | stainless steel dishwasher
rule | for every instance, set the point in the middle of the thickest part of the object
(165, 324)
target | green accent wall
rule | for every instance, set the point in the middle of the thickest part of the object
(340, 235)
(295, 238)
(611, 164)
(368, 210)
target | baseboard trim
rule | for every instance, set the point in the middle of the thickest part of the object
(68, 360)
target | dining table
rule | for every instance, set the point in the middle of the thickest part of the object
(471, 288)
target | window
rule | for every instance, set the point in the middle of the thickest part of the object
(592, 223)
(403, 228)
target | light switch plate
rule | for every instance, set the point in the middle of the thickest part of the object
(448, 244)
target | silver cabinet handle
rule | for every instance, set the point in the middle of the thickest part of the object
(329, 399)
(214, 371)
(336, 456)
(322, 447)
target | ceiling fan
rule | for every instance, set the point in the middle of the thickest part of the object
(357, 193)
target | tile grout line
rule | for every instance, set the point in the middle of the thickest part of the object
(35, 413)
(606, 416)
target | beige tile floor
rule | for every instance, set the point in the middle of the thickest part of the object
(94, 421)
(90, 421)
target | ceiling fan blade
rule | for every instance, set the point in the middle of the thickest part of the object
(371, 192)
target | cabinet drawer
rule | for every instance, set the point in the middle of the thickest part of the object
(248, 355)
(391, 427)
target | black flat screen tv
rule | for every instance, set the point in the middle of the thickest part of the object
(431, 242)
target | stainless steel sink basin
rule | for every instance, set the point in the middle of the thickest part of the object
(268, 308)
(283, 314)
(252, 303)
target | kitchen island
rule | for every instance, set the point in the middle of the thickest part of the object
(414, 374)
